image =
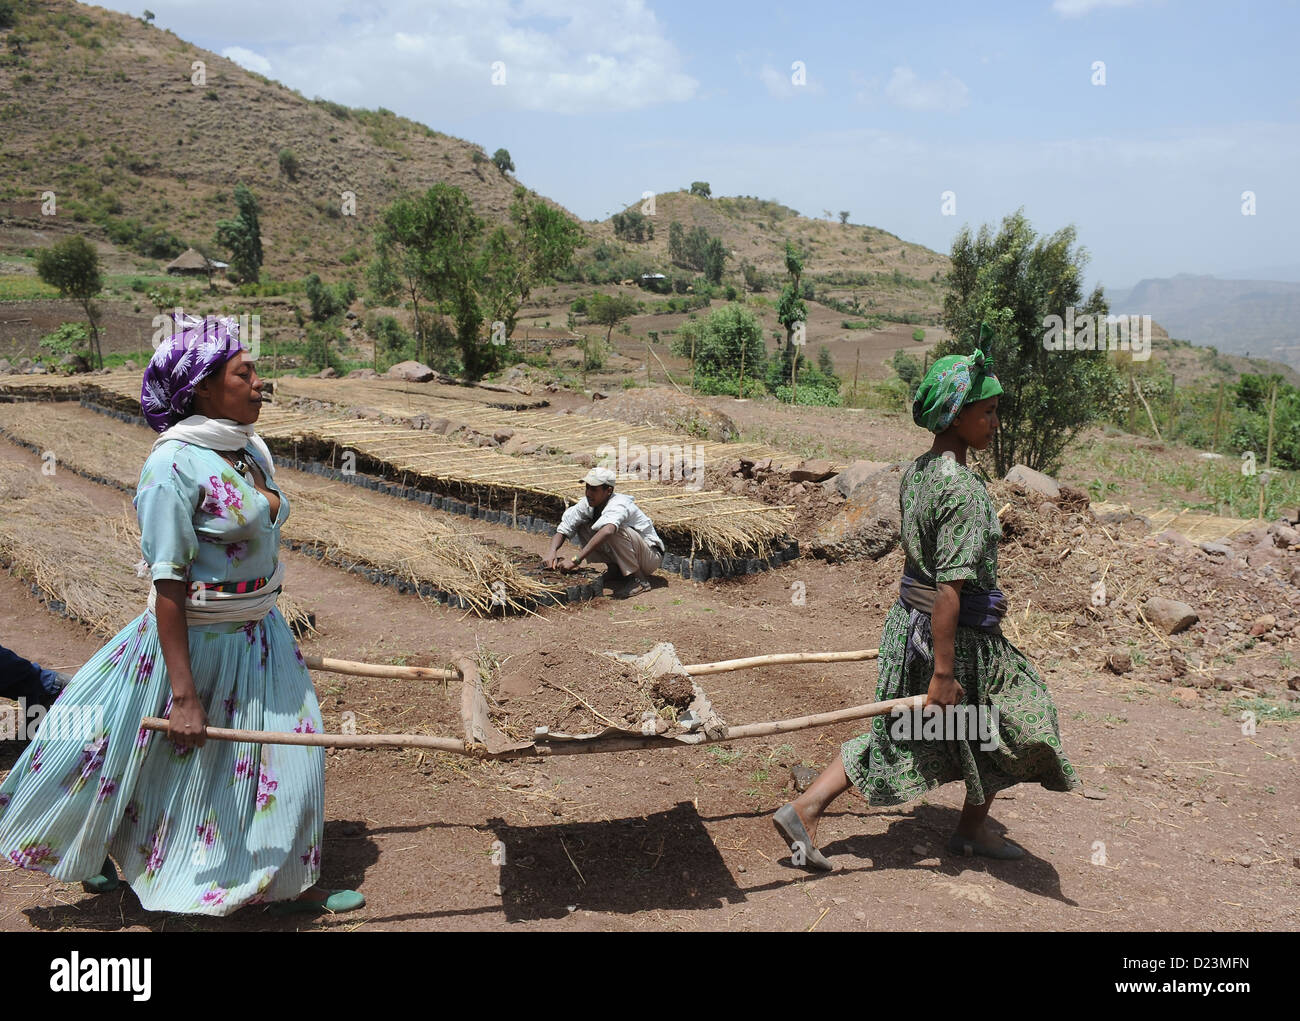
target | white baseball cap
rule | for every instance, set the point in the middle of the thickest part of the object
(599, 477)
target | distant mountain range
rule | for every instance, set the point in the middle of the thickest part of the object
(1256, 317)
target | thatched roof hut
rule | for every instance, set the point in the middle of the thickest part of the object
(192, 262)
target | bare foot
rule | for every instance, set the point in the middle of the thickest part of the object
(313, 895)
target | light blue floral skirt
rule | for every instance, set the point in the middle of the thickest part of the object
(199, 831)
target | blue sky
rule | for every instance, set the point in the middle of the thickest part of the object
(604, 99)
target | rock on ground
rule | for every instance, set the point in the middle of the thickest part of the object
(1034, 481)
(1169, 615)
(867, 524)
(411, 371)
(853, 476)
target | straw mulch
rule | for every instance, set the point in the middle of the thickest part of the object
(349, 527)
(690, 521)
(570, 434)
(719, 524)
(82, 562)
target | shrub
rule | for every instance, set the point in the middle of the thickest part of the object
(327, 302)
(393, 342)
(68, 339)
(322, 341)
(810, 395)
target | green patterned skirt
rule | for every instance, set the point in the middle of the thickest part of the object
(995, 674)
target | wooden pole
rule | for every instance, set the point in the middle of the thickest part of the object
(1132, 406)
(667, 374)
(1266, 477)
(593, 746)
(857, 363)
(779, 658)
(415, 673)
(741, 392)
(692, 362)
(1272, 407)
(420, 673)
(1218, 420)
(1150, 417)
(455, 745)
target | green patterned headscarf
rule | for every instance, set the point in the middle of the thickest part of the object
(951, 384)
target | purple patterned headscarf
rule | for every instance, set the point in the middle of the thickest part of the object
(182, 362)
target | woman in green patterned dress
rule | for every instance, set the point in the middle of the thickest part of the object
(942, 639)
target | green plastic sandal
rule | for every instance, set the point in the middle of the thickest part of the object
(336, 903)
(105, 882)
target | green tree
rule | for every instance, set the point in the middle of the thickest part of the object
(538, 244)
(630, 225)
(676, 244)
(431, 248)
(610, 310)
(728, 348)
(794, 260)
(289, 164)
(908, 369)
(390, 339)
(701, 188)
(502, 161)
(844, 216)
(8, 17)
(1013, 280)
(72, 266)
(715, 260)
(697, 244)
(327, 302)
(791, 311)
(242, 237)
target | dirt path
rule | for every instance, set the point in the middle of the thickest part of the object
(681, 839)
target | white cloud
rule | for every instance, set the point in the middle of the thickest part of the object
(247, 59)
(1080, 8)
(946, 93)
(560, 56)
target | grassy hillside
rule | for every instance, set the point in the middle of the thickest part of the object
(845, 261)
(100, 108)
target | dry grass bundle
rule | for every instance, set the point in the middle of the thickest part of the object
(43, 387)
(80, 561)
(718, 524)
(347, 527)
(404, 542)
(571, 434)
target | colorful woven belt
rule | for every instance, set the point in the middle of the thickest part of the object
(239, 587)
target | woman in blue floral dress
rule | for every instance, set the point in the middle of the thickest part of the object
(196, 826)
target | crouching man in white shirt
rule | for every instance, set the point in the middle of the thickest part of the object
(609, 529)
